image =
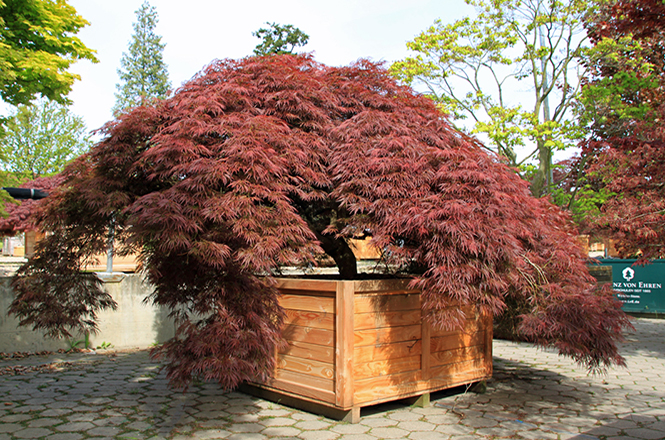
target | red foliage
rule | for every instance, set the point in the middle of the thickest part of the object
(632, 164)
(21, 214)
(262, 162)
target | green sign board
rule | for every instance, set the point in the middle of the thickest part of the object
(640, 288)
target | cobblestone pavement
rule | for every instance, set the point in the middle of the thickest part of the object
(533, 395)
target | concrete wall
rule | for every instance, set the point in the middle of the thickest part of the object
(134, 324)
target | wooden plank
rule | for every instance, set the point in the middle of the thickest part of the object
(299, 389)
(307, 303)
(351, 415)
(458, 355)
(304, 380)
(363, 370)
(306, 350)
(385, 286)
(426, 331)
(489, 338)
(310, 319)
(472, 325)
(309, 367)
(392, 387)
(296, 333)
(460, 340)
(344, 327)
(459, 369)
(380, 352)
(387, 303)
(387, 335)
(363, 321)
(307, 285)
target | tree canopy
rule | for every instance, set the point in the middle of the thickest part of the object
(38, 44)
(279, 39)
(40, 139)
(513, 71)
(624, 110)
(268, 161)
(143, 73)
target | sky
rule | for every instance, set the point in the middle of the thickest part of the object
(197, 32)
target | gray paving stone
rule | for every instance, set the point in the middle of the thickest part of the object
(281, 431)
(65, 436)
(311, 425)
(425, 435)
(388, 433)
(318, 435)
(32, 433)
(43, 422)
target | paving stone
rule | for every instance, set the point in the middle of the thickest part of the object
(311, 425)
(416, 426)
(32, 433)
(65, 436)
(9, 427)
(247, 436)
(74, 426)
(43, 422)
(428, 435)
(346, 428)
(279, 421)
(104, 431)
(388, 433)
(319, 435)
(280, 431)
(210, 434)
(246, 427)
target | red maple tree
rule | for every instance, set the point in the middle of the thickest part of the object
(268, 161)
(626, 153)
(20, 216)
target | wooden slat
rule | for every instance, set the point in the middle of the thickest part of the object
(470, 326)
(299, 389)
(306, 350)
(303, 285)
(458, 355)
(387, 351)
(426, 331)
(309, 367)
(310, 319)
(307, 303)
(387, 335)
(363, 370)
(363, 321)
(385, 287)
(379, 389)
(344, 328)
(386, 303)
(453, 342)
(457, 369)
(308, 334)
(305, 380)
(489, 338)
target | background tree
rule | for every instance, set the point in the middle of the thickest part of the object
(624, 111)
(474, 67)
(40, 139)
(37, 46)
(268, 161)
(143, 73)
(279, 39)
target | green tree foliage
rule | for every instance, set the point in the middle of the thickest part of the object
(279, 39)
(37, 46)
(41, 138)
(624, 110)
(143, 75)
(473, 67)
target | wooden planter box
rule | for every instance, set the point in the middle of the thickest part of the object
(358, 343)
